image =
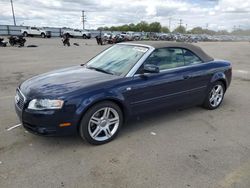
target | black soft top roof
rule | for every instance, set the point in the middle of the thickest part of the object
(163, 44)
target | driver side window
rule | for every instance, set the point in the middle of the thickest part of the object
(166, 58)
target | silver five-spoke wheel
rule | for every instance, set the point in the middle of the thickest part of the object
(216, 95)
(103, 124)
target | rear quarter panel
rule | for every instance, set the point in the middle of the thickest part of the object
(221, 70)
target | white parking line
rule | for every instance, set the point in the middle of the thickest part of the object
(242, 71)
(13, 127)
(6, 97)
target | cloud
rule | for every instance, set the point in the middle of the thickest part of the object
(216, 14)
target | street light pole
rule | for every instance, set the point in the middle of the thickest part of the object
(13, 13)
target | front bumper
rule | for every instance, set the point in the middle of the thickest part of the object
(46, 123)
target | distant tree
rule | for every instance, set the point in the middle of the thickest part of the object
(241, 32)
(209, 32)
(165, 29)
(106, 28)
(222, 32)
(180, 29)
(142, 26)
(132, 27)
(197, 30)
(200, 30)
(113, 28)
(100, 28)
(155, 27)
(123, 28)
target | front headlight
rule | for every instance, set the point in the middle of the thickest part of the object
(44, 104)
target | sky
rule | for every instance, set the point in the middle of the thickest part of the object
(211, 14)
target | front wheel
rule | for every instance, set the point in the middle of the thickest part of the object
(101, 123)
(25, 34)
(215, 96)
(84, 37)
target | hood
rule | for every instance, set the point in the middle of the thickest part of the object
(60, 82)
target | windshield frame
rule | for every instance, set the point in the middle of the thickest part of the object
(137, 64)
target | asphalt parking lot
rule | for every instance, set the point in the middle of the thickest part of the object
(188, 148)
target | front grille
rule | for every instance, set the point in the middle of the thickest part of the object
(19, 99)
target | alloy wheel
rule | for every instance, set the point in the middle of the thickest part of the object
(103, 124)
(216, 95)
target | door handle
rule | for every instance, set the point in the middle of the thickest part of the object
(186, 77)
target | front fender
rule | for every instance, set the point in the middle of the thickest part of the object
(116, 97)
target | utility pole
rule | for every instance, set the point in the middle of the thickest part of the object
(83, 20)
(234, 28)
(169, 26)
(13, 13)
(180, 22)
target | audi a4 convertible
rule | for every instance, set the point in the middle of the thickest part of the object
(95, 99)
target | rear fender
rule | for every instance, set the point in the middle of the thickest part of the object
(219, 76)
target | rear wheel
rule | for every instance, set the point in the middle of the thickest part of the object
(43, 35)
(215, 96)
(101, 123)
(84, 37)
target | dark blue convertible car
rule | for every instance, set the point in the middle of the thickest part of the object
(94, 99)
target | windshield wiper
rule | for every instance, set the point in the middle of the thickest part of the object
(99, 70)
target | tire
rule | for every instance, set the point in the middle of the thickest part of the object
(214, 96)
(68, 35)
(25, 34)
(84, 37)
(12, 43)
(96, 127)
(43, 35)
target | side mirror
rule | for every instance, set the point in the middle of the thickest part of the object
(151, 69)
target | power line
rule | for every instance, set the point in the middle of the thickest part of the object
(13, 13)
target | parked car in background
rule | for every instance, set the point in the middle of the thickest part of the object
(77, 33)
(128, 35)
(35, 31)
(94, 99)
(108, 35)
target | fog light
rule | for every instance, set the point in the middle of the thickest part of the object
(41, 130)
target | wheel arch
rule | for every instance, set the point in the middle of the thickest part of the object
(122, 106)
(220, 76)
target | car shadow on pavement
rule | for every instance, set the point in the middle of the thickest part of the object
(156, 118)
(133, 124)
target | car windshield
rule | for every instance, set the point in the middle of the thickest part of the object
(117, 60)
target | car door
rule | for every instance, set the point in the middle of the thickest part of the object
(168, 88)
(35, 31)
(198, 75)
(77, 33)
